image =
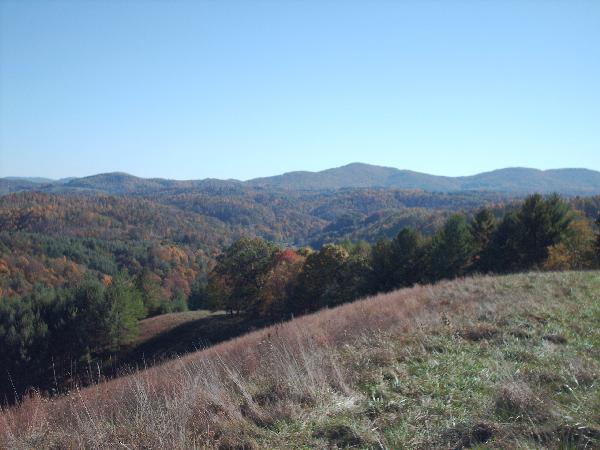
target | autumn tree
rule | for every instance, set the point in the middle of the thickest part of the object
(575, 251)
(148, 284)
(279, 282)
(319, 281)
(237, 278)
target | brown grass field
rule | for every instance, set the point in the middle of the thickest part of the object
(485, 362)
(154, 326)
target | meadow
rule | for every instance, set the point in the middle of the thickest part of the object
(486, 361)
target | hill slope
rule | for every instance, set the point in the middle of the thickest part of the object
(503, 362)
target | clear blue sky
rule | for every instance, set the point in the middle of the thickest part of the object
(251, 88)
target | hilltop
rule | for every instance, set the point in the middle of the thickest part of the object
(515, 180)
(500, 362)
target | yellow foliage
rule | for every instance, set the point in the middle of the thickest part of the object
(575, 251)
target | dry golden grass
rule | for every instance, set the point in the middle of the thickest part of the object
(153, 326)
(264, 388)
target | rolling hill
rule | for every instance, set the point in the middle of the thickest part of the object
(487, 362)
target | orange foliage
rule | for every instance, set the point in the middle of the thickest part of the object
(106, 280)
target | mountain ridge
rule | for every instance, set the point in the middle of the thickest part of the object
(514, 180)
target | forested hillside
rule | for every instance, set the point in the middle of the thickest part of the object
(53, 238)
(78, 272)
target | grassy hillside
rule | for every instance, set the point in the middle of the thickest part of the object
(171, 335)
(488, 362)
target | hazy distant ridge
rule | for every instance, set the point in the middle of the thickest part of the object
(356, 175)
(513, 180)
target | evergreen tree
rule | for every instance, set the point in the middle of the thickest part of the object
(452, 249)
(523, 238)
(126, 309)
(544, 223)
(89, 316)
(409, 258)
(503, 253)
(199, 298)
(178, 302)
(482, 227)
(383, 266)
(24, 341)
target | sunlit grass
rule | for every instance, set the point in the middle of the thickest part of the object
(488, 362)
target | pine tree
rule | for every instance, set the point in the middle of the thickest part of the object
(126, 309)
(452, 249)
(523, 238)
(503, 253)
(408, 258)
(544, 223)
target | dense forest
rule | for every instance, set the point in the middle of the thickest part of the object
(53, 239)
(78, 271)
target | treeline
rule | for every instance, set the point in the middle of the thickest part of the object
(258, 278)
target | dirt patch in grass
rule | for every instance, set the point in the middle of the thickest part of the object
(520, 334)
(555, 338)
(570, 436)
(480, 332)
(341, 436)
(467, 436)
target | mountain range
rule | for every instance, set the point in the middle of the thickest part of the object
(515, 180)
